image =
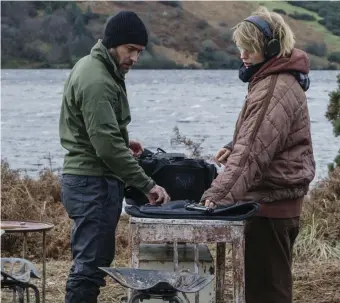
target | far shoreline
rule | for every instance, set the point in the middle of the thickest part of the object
(147, 69)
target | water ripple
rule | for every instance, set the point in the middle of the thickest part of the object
(201, 103)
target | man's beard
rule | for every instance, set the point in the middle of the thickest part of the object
(128, 67)
(116, 58)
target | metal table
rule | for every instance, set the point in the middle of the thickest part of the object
(195, 231)
(26, 227)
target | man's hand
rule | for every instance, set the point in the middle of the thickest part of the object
(222, 156)
(136, 148)
(157, 195)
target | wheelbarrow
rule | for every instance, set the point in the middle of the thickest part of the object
(157, 284)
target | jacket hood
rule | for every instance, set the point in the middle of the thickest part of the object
(100, 52)
(298, 61)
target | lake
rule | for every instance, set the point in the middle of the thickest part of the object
(202, 103)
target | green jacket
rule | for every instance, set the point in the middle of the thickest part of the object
(93, 122)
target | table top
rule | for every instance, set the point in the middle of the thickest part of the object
(137, 220)
(24, 226)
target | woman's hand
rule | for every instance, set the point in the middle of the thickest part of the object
(209, 204)
(222, 156)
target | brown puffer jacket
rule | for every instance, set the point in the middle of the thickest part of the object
(272, 159)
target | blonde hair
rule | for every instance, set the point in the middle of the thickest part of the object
(247, 36)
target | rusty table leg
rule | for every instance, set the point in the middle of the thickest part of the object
(24, 256)
(238, 268)
(44, 268)
(220, 272)
(24, 247)
(196, 266)
(176, 265)
(134, 246)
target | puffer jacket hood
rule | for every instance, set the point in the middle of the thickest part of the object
(297, 64)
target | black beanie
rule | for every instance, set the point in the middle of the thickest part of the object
(124, 28)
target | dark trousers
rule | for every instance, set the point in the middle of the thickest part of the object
(268, 259)
(94, 204)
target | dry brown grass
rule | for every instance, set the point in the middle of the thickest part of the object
(38, 200)
(315, 281)
(319, 237)
(57, 272)
(24, 198)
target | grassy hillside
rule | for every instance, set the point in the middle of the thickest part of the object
(189, 34)
(307, 31)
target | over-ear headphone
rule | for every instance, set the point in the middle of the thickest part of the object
(272, 46)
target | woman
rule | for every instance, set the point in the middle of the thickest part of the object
(271, 158)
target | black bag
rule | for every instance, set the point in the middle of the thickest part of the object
(180, 210)
(183, 178)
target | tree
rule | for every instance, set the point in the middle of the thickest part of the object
(333, 115)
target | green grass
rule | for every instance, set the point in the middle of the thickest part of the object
(288, 8)
(332, 41)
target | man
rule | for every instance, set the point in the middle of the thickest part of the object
(100, 159)
(270, 160)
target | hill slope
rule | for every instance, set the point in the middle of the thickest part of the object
(188, 34)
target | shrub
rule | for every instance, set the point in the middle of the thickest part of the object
(317, 49)
(90, 15)
(32, 12)
(335, 56)
(329, 12)
(169, 41)
(155, 61)
(218, 59)
(81, 45)
(34, 52)
(155, 40)
(227, 36)
(333, 109)
(194, 147)
(302, 16)
(333, 115)
(171, 3)
(332, 23)
(209, 45)
(332, 66)
(55, 28)
(202, 24)
(232, 49)
(279, 11)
